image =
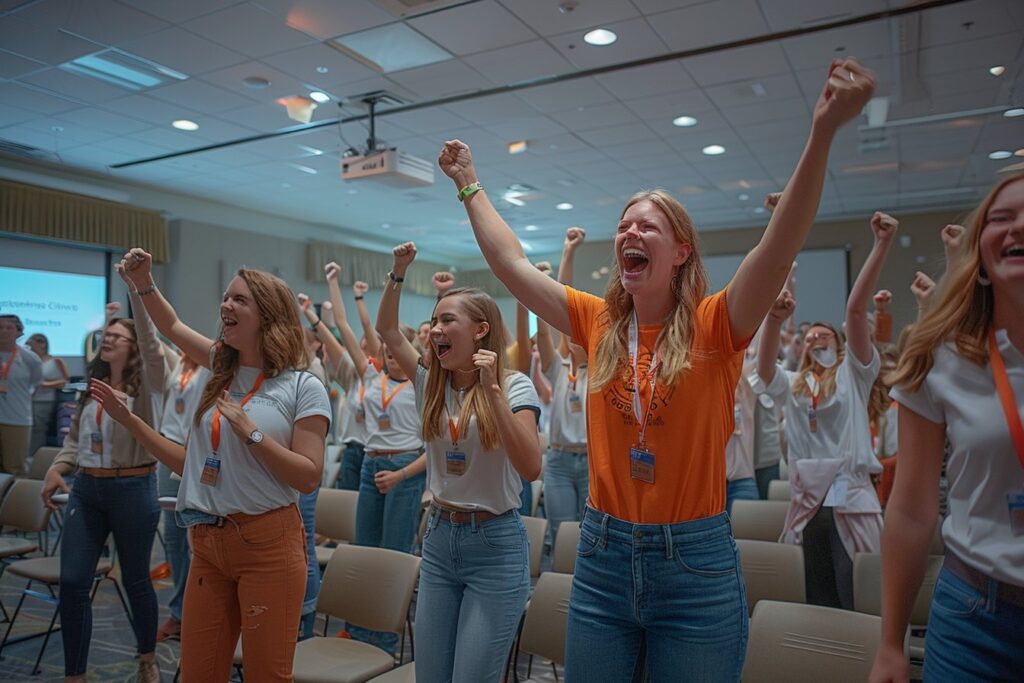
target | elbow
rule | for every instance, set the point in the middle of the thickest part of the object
(308, 485)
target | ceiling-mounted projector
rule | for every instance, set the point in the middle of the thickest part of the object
(389, 166)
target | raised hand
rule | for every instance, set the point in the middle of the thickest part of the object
(327, 313)
(404, 255)
(922, 288)
(953, 240)
(360, 288)
(574, 237)
(882, 298)
(115, 403)
(486, 362)
(884, 226)
(303, 300)
(331, 271)
(136, 267)
(847, 90)
(443, 281)
(783, 307)
(111, 310)
(544, 267)
(456, 162)
(771, 200)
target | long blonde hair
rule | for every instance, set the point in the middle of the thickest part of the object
(479, 307)
(827, 383)
(878, 397)
(280, 343)
(964, 312)
(689, 284)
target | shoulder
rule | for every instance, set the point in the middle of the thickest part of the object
(519, 388)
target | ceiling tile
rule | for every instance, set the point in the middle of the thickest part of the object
(429, 120)
(816, 50)
(636, 40)
(74, 86)
(980, 54)
(649, 7)
(281, 85)
(13, 66)
(35, 100)
(12, 115)
(522, 62)
(710, 23)
(474, 27)
(104, 120)
(104, 21)
(493, 109)
(149, 109)
(46, 140)
(180, 10)
(768, 111)
(441, 79)
(706, 121)
(788, 14)
(580, 92)
(329, 18)
(183, 51)
(42, 44)
(618, 135)
(201, 96)
(303, 62)
(754, 92)
(739, 64)
(525, 129)
(547, 19)
(647, 81)
(66, 133)
(671, 105)
(597, 116)
(967, 21)
(248, 29)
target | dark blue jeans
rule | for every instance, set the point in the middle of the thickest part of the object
(665, 599)
(127, 508)
(351, 466)
(307, 508)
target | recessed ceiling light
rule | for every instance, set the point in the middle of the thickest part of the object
(185, 124)
(713, 150)
(311, 151)
(1000, 154)
(744, 197)
(320, 97)
(531, 228)
(517, 147)
(564, 206)
(600, 36)
(997, 70)
(760, 209)
(1013, 113)
(684, 121)
(322, 69)
(385, 226)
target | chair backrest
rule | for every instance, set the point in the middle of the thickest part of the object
(563, 557)
(536, 489)
(778, 489)
(332, 470)
(369, 587)
(536, 531)
(794, 642)
(335, 515)
(772, 571)
(23, 508)
(783, 470)
(41, 461)
(546, 616)
(5, 483)
(867, 586)
(758, 520)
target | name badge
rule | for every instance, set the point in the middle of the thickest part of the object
(766, 401)
(384, 420)
(455, 463)
(360, 415)
(575, 404)
(836, 496)
(179, 405)
(96, 443)
(1015, 501)
(812, 419)
(211, 470)
(641, 464)
(737, 420)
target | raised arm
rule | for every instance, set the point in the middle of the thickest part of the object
(768, 348)
(883, 316)
(348, 337)
(522, 360)
(388, 324)
(922, 288)
(545, 344)
(138, 266)
(359, 290)
(517, 431)
(155, 368)
(858, 330)
(763, 272)
(500, 245)
(322, 328)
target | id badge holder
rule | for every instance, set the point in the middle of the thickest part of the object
(812, 419)
(96, 443)
(1015, 503)
(360, 415)
(455, 463)
(641, 464)
(575, 404)
(737, 421)
(211, 470)
(384, 420)
(179, 405)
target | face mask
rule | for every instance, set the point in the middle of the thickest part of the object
(826, 357)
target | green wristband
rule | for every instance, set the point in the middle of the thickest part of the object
(469, 190)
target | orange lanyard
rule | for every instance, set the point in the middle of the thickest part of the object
(385, 399)
(215, 427)
(99, 417)
(453, 429)
(572, 380)
(184, 379)
(362, 393)
(9, 364)
(1006, 396)
(814, 392)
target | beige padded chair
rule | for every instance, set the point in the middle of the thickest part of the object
(778, 489)
(543, 632)
(332, 470)
(867, 587)
(401, 674)
(536, 532)
(567, 540)
(772, 571)
(758, 520)
(794, 642)
(536, 493)
(783, 470)
(41, 461)
(335, 518)
(369, 587)
(5, 483)
(23, 511)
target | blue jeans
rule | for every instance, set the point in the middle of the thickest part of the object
(972, 636)
(388, 520)
(307, 508)
(176, 541)
(740, 489)
(351, 466)
(474, 583)
(566, 483)
(526, 498)
(662, 599)
(126, 507)
(764, 476)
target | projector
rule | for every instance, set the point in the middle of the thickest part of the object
(389, 166)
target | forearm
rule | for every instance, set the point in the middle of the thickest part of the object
(857, 328)
(160, 447)
(387, 312)
(565, 266)
(500, 246)
(294, 469)
(348, 337)
(522, 361)
(151, 349)
(545, 345)
(768, 350)
(372, 344)
(905, 540)
(417, 466)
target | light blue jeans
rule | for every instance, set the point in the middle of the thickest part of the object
(566, 483)
(740, 489)
(972, 636)
(307, 508)
(176, 539)
(665, 600)
(474, 583)
(388, 520)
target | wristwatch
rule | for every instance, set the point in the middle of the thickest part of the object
(254, 438)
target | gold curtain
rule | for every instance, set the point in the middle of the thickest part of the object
(373, 267)
(32, 210)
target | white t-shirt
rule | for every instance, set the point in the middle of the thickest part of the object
(351, 429)
(24, 375)
(843, 430)
(175, 424)
(403, 431)
(767, 439)
(983, 466)
(51, 370)
(886, 440)
(739, 450)
(87, 427)
(244, 483)
(489, 481)
(568, 426)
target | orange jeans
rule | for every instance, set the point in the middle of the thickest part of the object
(247, 576)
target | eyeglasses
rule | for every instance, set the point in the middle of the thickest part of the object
(815, 336)
(114, 337)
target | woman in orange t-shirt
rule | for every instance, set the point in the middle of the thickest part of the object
(657, 585)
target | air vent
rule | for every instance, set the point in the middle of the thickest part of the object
(411, 8)
(16, 149)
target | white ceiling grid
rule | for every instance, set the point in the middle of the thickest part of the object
(592, 141)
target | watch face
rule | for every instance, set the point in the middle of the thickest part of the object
(256, 436)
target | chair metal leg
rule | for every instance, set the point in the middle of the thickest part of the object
(42, 648)
(10, 624)
(412, 641)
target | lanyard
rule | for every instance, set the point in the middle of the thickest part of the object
(1006, 396)
(215, 427)
(9, 364)
(453, 425)
(651, 373)
(362, 393)
(385, 399)
(572, 379)
(814, 385)
(99, 417)
(184, 379)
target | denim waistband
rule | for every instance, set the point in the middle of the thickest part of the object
(191, 517)
(606, 527)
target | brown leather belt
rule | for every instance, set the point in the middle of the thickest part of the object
(1005, 592)
(111, 472)
(384, 454)
(465, 516)
(575, 450)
